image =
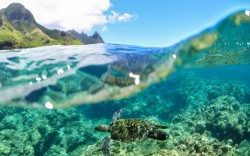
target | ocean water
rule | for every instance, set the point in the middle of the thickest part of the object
(52, 98)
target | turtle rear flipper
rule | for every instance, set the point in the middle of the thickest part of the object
(105, 145)
(157, 134)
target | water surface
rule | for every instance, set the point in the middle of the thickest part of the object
(199, 87)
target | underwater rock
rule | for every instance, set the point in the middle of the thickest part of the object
(239, 91)
(55, 150)
(224, 118)
(43, 132)
(197, 144)
(214, 91)
(2, 114)
(15, 143)
(200, 128)
(11, 122)
(195, 91)
(243, 148)
(142, 147)
(164, 152)
(75, 135)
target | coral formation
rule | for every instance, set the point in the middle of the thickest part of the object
(42, 132)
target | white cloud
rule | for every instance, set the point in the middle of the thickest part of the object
(116, 17)
(125, 17)
(104, 28)
(81, 15)
(113, 17)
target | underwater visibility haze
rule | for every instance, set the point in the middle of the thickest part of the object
(52, 97)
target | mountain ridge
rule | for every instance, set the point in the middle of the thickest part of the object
(95, 38)
(19, 29)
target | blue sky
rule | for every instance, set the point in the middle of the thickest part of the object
(163, 22)
(157, 23)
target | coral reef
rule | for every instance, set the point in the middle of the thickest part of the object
(197, 144)
(15, 143)
(224, 118)
(43, 132)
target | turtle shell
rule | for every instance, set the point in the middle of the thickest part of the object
(127, 130)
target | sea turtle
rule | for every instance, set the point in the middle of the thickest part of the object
(128, 130)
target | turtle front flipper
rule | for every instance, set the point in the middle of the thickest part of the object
(157, 134)
(105, 145)
(117, 115)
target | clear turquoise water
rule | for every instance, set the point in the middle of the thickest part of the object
(199, 87)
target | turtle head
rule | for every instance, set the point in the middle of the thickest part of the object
(158, 135)
(102, 128)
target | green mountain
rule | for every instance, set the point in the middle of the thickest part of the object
(19, 29)
(95, 38)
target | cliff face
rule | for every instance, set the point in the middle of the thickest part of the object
(1, 21)
(19, 29)
(19, 17)
(95, 38)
